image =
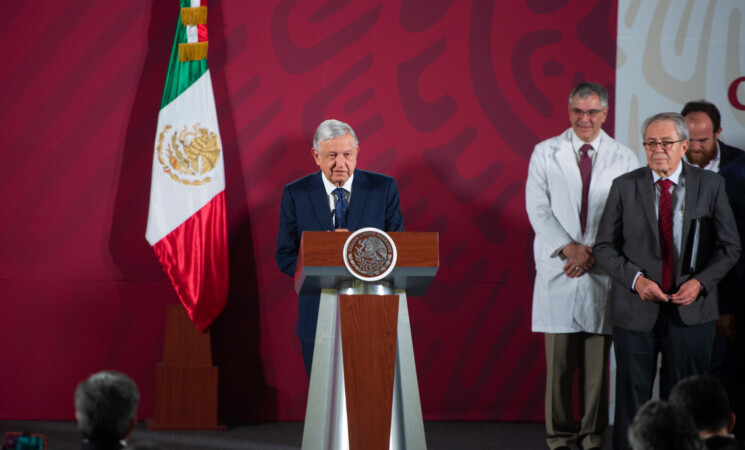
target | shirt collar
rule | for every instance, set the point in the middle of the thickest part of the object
(675, 177)
(577, 143)
(330, 186)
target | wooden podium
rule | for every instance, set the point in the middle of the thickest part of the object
(364, 392)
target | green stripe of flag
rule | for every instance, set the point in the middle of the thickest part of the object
(181, 75)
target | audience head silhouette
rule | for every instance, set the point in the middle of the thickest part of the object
(706, 400)
(658, 425)
(106, 406)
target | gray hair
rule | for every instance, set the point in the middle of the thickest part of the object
(586, 89)
(677, 119)
(330, 129)
(105, 404)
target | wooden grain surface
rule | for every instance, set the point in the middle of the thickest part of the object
(368, 329)
(324, 248)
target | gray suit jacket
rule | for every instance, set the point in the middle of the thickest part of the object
(628, 242)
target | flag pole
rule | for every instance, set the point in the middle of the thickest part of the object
(187, 228)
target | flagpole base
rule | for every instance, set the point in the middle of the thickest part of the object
(186, 383)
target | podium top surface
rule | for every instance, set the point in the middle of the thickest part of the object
(321, 261)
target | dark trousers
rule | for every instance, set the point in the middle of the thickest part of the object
(685, 351)
(737, 388)
(727, 364)
(307, 348)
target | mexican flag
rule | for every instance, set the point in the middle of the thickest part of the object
(186, 222)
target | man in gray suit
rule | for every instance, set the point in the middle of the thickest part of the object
(667, 237)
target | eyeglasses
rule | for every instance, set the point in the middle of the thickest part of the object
(580, 112)
(666, 145)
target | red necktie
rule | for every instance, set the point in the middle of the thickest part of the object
(665, 222)
(585, 170)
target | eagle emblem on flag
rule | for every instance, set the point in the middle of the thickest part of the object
(188, 155)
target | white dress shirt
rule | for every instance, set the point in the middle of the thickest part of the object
(347, 186)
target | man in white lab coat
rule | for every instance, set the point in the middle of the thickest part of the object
(568, 182)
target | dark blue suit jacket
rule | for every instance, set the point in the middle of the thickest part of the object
(305, 207)
(733, 177)
(732, 288)
(727, 154)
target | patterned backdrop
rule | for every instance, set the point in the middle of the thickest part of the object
(670, 53)
(449, 97)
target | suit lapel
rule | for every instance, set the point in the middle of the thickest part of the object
(693, 183)
(358, 199)
(646, 188)
(319, 199)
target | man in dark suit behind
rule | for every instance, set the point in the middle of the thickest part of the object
(731, 323)
(663, 301)
(337, 197)
(708, 152)
(704, 127)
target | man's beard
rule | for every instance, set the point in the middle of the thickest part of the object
(700, 157)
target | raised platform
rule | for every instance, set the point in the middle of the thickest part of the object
(289, 435)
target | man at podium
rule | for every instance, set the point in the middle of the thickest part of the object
(336, 198)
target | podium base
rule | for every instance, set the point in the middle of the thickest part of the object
(327, 423)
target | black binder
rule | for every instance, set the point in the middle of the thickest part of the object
(700, 245)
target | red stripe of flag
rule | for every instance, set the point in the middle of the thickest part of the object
(195, 257)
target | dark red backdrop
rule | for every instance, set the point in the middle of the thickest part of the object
(448, 97)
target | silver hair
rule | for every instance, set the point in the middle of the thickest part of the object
(330, 129)
(586, 89)
(105, 404)
(677, 119)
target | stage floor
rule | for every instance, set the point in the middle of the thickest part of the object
(288, 435)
